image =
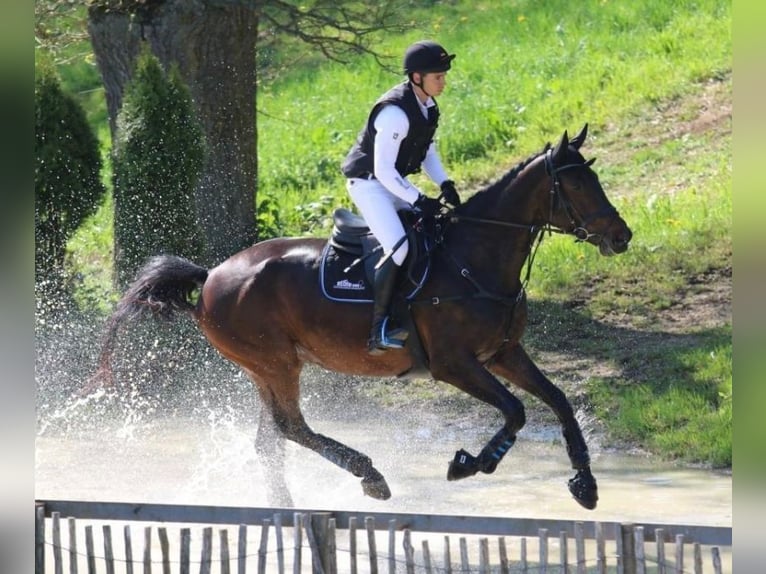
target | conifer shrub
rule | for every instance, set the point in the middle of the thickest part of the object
(157, 160)
(68, 187)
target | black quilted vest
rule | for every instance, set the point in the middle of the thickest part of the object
(360, 160)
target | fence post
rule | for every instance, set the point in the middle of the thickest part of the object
(716, 559)
(447, 556)
(409, 552)
(127, 537)
(369, 524)
(164, 548)
(484, 567)
(108, 552)
(680, 553)
(523, 555)
(618, 552)
(543, 549)
(697, 558)
(600, 549)
(264, 546)
(392, 546)
(332, 549)
(73, 546)
(280, 543)
(503, 556)
(39, 538)
(58, 566)
(297, 542)
(206, 557)
(427, 558)
(464, 562)
(563, 552)
(352, 544)
(184, 555)
(579, 532)
(323, 559)
(223, 538)
(640, 553)
(628, 534)
(91, 553)
(242, 549)
(659, 536)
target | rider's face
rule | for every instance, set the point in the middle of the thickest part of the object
(433, 83)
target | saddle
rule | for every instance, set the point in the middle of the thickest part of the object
(348, 260)
(348, 264)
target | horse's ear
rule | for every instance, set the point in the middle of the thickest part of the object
(560, 151)
(579, 139)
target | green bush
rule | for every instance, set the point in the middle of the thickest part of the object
(67, 184)
(156, 161)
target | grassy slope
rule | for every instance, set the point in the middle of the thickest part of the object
(525, 72)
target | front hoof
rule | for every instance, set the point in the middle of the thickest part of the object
(462, 466)
(584, 489)
(375, 485)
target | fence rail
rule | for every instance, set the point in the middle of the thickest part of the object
(333, 541)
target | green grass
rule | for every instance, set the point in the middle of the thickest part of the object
(525, 72)
(676, 399)
(539, 68)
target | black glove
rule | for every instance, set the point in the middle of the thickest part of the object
(449, 193)
(428, 206)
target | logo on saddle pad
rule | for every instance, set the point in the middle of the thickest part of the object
(349, 257)
(345, 284)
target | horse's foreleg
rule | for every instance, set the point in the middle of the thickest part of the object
(513, 363)
(472, 378)
(270, 446)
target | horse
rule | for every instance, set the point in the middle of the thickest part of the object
(263, 310)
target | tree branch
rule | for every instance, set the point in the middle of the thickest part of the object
(338, 29)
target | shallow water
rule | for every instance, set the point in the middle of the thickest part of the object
(183, 461)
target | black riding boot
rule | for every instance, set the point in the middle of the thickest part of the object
(382, 338)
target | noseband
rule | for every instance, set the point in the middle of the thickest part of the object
(580, 231)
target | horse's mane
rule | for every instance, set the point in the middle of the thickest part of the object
(489, 193)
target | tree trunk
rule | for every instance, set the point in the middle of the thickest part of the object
(213, 44)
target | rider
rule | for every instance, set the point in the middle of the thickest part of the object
(396, 141)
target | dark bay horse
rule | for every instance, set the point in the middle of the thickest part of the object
(262, 309)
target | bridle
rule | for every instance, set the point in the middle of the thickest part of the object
(579, 231)
(557, 201)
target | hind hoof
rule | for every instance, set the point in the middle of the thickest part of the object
(584, 489)
(376, 487)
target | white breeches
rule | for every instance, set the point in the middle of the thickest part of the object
(378, 206)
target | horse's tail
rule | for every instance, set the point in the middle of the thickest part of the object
(163, 286)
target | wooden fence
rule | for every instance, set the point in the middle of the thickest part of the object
(67, 536)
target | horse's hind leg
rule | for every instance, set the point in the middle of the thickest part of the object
(286, 414)
(270, 446)
(513, 363)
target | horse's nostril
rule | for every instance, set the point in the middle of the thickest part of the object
(623, 239)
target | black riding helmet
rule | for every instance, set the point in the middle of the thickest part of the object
(426, 56)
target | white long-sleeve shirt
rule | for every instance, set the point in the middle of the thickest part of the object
(391, 126)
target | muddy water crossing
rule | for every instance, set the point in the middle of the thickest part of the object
(213, 462)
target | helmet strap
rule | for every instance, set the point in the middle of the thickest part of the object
(419, 85)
